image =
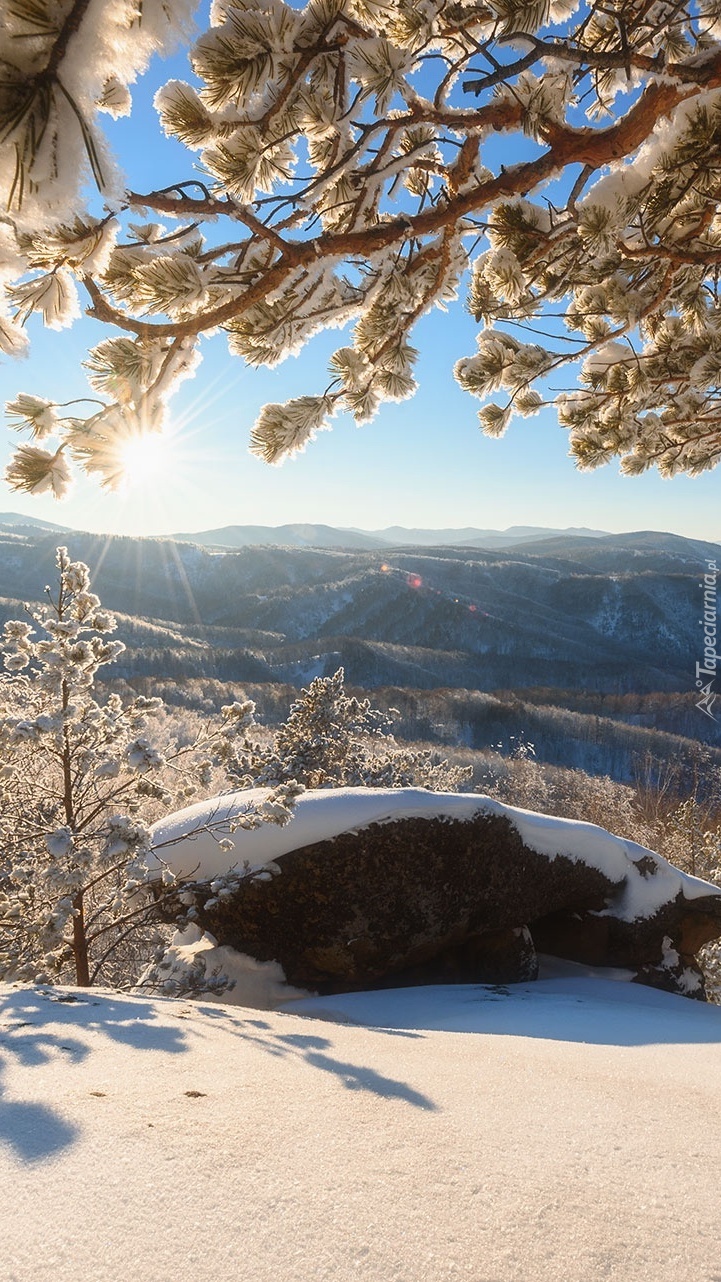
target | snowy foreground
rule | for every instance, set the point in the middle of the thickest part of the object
(563, 1131)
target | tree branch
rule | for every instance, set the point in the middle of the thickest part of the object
(70, 28)
(560, 49)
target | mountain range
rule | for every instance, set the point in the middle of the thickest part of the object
(305, 535)
(584, 644)
(327, 536)
(612, 613)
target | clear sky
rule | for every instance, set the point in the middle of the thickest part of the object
(422, 463)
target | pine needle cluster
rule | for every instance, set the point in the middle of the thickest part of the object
(349, 178)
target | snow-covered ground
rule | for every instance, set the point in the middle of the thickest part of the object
(564, 1131)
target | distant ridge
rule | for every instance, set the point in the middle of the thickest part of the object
(295, 536)
(327, 536)
(648, 543)
(471, 537)
(16, 520)
(535, 540)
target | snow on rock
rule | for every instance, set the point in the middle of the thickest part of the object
(189, 840)
(194, 964)
(366, 887)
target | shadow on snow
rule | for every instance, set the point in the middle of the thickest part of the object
(40, 1025)
(599, 1011)
(32, 1130)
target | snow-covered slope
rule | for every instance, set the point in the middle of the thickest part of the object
(571, 1133)
(472, 604)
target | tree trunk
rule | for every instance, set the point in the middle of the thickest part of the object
(80, 945)
(80, 942)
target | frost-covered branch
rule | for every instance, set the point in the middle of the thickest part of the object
(347, 182)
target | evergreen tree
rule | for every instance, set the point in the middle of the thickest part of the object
(331, 739)
(348, 181)
(78, 783)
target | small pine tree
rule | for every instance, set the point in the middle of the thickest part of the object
(78, 781)
(332, 739)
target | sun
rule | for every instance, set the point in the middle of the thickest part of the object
(145, 458)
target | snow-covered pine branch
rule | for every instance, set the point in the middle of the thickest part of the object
(347, 182)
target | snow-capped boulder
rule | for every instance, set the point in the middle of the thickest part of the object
(366, 887)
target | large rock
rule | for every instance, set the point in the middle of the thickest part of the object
(428, 898)
(398, 897)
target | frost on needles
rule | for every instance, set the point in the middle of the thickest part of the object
(80, 781)
(341, 175)
(331, 739)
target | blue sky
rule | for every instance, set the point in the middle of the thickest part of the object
(422, 463)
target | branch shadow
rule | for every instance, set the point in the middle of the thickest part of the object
(314, 1052)
(34, 1130)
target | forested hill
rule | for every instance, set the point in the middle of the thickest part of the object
(611, 614)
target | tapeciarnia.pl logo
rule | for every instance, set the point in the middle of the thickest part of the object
(706, 671)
